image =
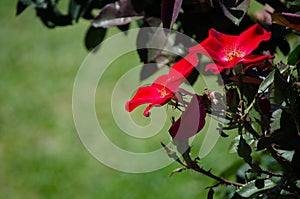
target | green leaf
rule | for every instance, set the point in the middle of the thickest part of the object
(294, 57)
(288, 155)
(94, 37)
(250, 189)
(267, 82)
(275, 120)
(233, 10)
(244, 149)
(233, 147)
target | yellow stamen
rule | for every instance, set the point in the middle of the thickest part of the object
(233, 53)
(163, 92)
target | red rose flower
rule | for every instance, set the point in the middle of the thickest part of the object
(162, 89)
(155, 94)
(227, 50)
(191, 121)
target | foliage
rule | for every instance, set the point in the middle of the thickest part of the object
(262, 97)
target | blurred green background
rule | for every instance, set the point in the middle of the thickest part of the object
(40, 152)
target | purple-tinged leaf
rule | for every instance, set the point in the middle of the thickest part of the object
(115, 14)
(166, 12)
(176, 10)
(169, 12)
(287, 19)
(192, 120)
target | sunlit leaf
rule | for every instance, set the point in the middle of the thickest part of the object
(266, 83)
(250, 189)
(244, 150)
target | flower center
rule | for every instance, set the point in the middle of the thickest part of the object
(233, 54)
(163, 92)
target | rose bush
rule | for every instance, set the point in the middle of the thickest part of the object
(262, 90)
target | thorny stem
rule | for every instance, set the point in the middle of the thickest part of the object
(239, 71)
(192, 164)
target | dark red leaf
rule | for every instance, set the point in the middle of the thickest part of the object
(169, 12)
(191, 121)
(287, 19)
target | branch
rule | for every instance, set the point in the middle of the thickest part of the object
(192, 164)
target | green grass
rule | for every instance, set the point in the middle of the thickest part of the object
(41, 154)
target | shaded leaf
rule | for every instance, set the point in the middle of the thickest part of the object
(115, 14)
(284, 46)
(193, 77)
(223, 134)
(244, 149)
(250, 189)
(23, 4)
(21, 7)
(166, 12)
(296, 163)
(263, 143)
(150, 68)
(156, 46)
(281, 88)
(76, 8)
(144, 36)
(287, 19)
(94, 37)
(51, 15)
(294, 57)
(124, 28)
